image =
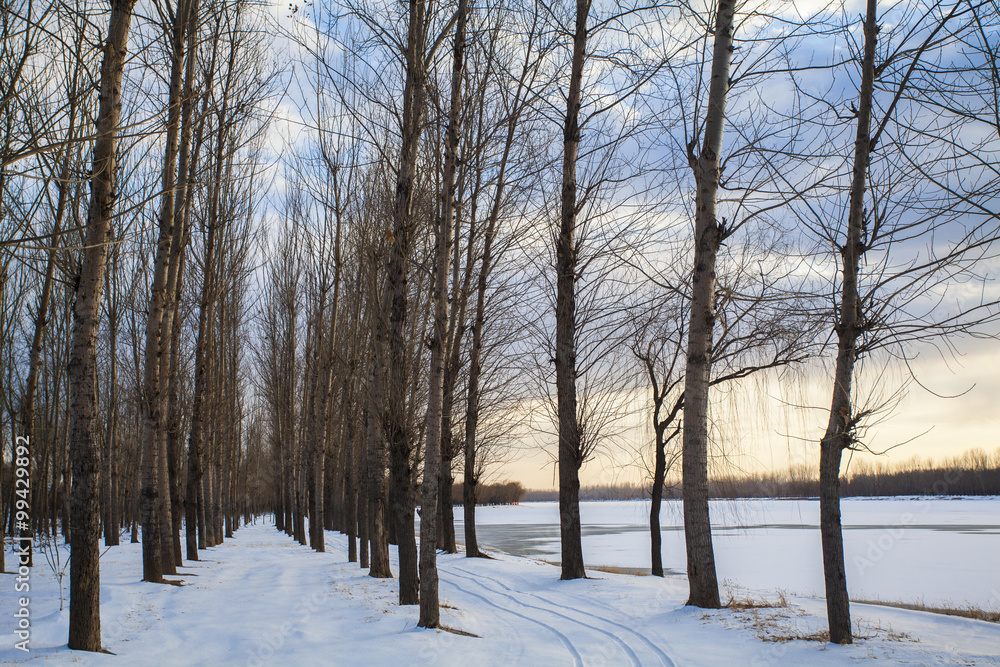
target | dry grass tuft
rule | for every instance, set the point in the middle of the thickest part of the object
(821, 636)
(774, 620)
(745, 602)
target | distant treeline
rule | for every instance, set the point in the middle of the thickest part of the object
(974, 473)
(602, 492)
(502, 493)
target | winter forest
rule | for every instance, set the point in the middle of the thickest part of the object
(287, 291)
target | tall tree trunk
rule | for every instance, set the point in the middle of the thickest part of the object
(208, 479)
(708, 236)
(377, 511)
(173, 425)
(155, 490)
(570, 447)
(288, 437)
(429, 610)
(839, 430)
(85, 573)
(470, 477)
(182, 217)
(170, 419)
(325, 381)
(202, 511)
(186, 169)
(350, 494)
(349, 434)
(446, 485)
(279, 501)
(310, 418)
(301, 471)
(364, 531)
(456, 335)
(397, 281)
(655, 535)
(402, 510)
(218, 488)
(135, 488)
(111, 450)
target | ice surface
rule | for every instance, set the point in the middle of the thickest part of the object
(929, 550)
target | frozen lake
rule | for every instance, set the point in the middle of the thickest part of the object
(930, 550)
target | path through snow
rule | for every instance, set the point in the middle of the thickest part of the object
(263, 599)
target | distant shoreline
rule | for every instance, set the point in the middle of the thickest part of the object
(555, 497)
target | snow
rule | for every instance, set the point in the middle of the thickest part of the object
(262, 599)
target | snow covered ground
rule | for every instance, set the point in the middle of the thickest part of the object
(916, 550)
(262, 599)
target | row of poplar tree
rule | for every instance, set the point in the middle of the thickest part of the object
(313, 264)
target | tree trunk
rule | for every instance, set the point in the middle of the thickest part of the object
(196, 437)
(310, 426)
(156, 521)
(655, 535)
(397, 280)
(85, 573)
(378, 534)
(403, 510)
(173, 430)
(570, 447)
(446, 508)
(350, 497)
(709, 233)
(182, 215)
(111, 451)
(208, 478)
(217, 491)
(360, 461)
(456, 334)
(470, 476)
(429, 609)
(838, 435)
(328, 356)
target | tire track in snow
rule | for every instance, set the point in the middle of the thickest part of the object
(664, 658)
(577, 659)
(618, 640)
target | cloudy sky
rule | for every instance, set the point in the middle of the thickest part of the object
(922, 424)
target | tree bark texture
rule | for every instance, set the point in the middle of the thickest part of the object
(708, 236)
(85, 574)
(570, 445)
(838, 435)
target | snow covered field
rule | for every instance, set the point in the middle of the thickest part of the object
(262, 599)
(932, 551)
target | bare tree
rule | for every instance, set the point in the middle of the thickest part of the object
(429, 611)
(158, 555)
(912, 108)
(85, 576)
(709, 233)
